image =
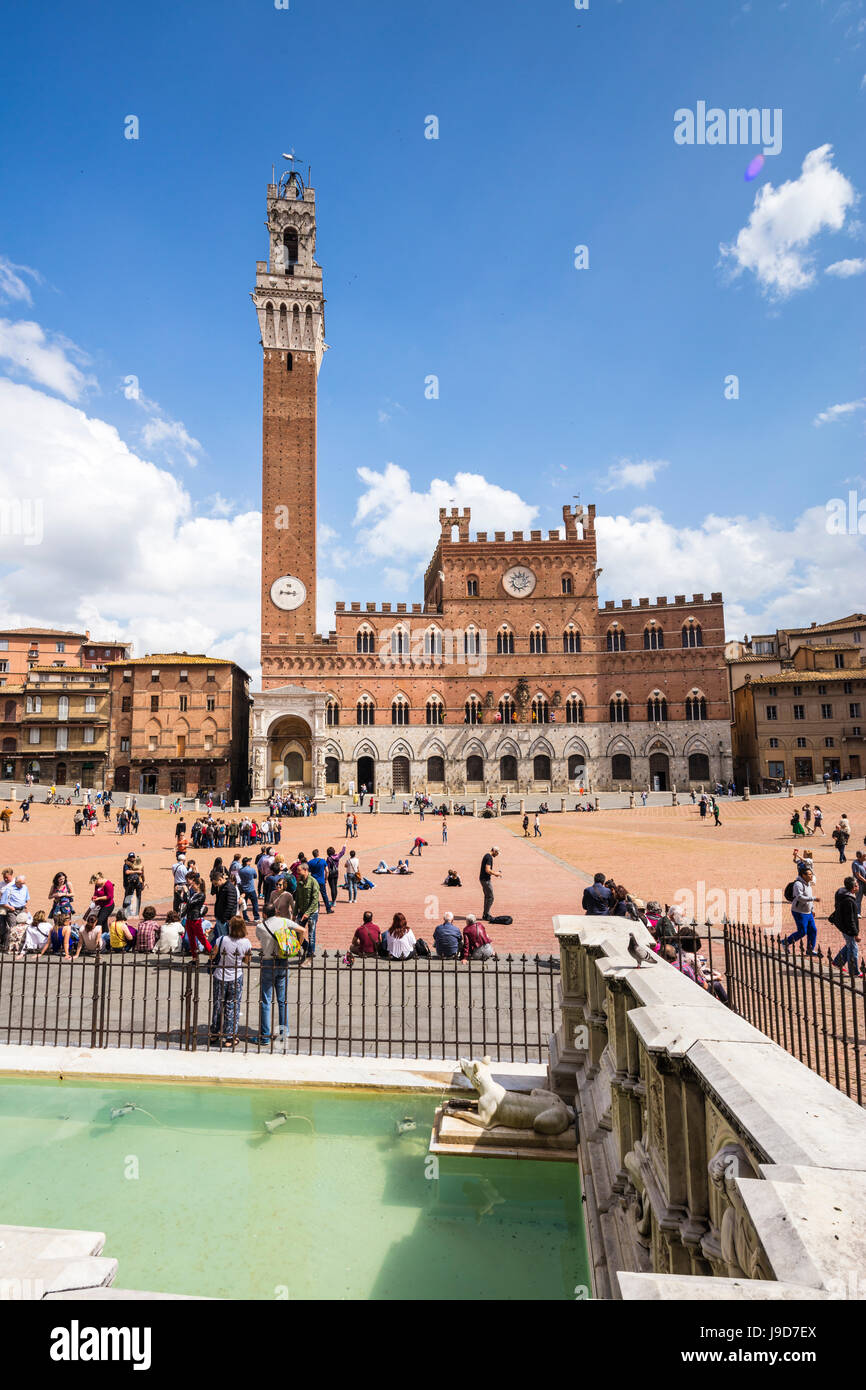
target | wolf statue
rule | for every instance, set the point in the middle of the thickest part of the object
(542, 1111)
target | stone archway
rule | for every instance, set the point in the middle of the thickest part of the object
(290, 753)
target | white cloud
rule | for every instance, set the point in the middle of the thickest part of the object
(399, 523)
(838, 412)
(626, 473)
(12, 285)
(47, 361)
(397, 580)
(124, 553)
(171, 436)
(769, 575)
(775, 243)
(845, 269)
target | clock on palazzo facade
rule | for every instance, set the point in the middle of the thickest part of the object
(507, 674)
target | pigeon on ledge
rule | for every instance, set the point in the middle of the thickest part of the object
(640, 953)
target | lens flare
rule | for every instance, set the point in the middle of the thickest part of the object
(754, 168)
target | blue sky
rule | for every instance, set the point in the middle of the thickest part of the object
(452, 257)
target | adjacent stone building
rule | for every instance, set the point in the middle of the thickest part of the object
(179, 726)
(508, 675)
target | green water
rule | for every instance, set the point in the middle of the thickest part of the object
(196, 1196)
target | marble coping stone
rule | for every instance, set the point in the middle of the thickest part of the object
(237, 1068)
(674, 1028)
(790, 1113)
(599, 931)
(657, 984)
(53, 1261)
(705, 1289)
(811, 1229)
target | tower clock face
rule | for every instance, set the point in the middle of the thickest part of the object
(519, 581)
(288, 592)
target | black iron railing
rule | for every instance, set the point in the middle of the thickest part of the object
(506, 1007)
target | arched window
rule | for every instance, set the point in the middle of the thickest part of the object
(365, 710)
(571, 639)
(541, 767)
(692, 634)
(432, 642)
(332, 771)
(290, 362)
(696, 706)
(474, 768)
(576, 767)
(506, 710)
(653, 638)
(508, 768)
(365, 639)
(540, 710)
(504, 642)
(699, 767)
(63, 707)
(472, 586)
(472, 710)
(436, 769)
(656, 708)
(620, 767)
(537, 641)
(615, 639)
(435, 710)
(399, 642)
(9, 711)
(290, 247)
(619, 709)
(332, 712)
(399, 710)
(472, 642)
(567, 586)
(574, 710)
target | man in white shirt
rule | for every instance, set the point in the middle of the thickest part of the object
(179, 873)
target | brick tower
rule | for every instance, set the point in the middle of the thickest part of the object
(290, 308)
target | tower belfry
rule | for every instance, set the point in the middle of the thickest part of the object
(290, 307)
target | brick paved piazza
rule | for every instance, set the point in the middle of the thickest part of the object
(655, 851)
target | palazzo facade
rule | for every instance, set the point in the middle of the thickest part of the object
(508, 675)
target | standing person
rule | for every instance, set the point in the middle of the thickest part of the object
(819, 821)
(371, 806)
(643, 797)
(525, 825)
(354, 825)
(536, 826)
(179, 876)
(418, 846)
(803, 911)
(486, 875)
(307, 908)
(858, 869)
(444, 830)
(226, 904)
(247, 886)
(702, 807)
(353, 875)
(349, 830)
(319, 869)
(272, 933)
(195, 900)
(78, 820)
(807, 818)
(717, 814)
(796, 826)
(334, 870)
(6, 817)
(840, 840)
(133, 884)
(232, 954)
(845, 917)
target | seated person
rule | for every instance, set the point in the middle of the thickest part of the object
(452, 879)
(398, 943)
(119, 936)
(476, 943)
(61, 937)
(170, 933)
(365, 942)
(148, 930)
(36, 932)
(447, 938)
(90, 937)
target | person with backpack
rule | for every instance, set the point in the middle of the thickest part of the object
(281, 941)
(840, 840)
(845, 917)
(800, 895)
(133, 884)
(307, 903)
